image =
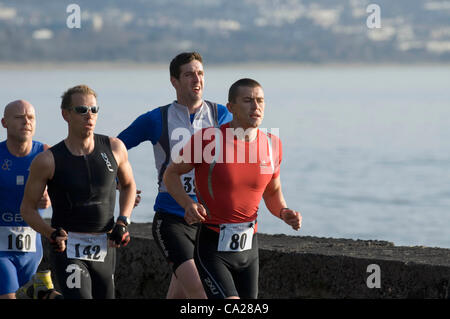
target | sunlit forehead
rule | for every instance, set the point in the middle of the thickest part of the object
(20, 109)
(248, 94)
(191, 68)
(83, 99)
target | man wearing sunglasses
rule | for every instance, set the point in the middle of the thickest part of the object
(188, 113)
(81, 173)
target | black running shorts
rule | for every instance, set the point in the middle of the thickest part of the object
(83, 279)
(226, 274)
(174, 237)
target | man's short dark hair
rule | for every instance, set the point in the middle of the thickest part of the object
(67, 96)
(234, 89)
(181, 59)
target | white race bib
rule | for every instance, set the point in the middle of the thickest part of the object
(17, 238)
(236, 237)
(188, 183)
(92, 247)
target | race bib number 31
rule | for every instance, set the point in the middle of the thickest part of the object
(90, 247)
(235, 237)
(18, 238)
(188, 184)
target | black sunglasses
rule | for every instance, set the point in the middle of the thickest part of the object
(83, 109)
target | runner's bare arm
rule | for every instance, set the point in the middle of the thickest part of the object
(127, 187)
(45, 202)
(194, 212)
(41, 170)
(275, 203)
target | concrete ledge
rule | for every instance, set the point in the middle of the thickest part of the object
(301, 267)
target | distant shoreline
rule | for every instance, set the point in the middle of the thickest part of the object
(159, 65)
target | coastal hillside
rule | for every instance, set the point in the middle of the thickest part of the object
(305, 31)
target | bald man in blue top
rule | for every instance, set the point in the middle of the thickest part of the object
(20, 246)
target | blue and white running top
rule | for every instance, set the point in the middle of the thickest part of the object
(164, 127)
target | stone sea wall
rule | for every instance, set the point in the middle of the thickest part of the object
(302, 267)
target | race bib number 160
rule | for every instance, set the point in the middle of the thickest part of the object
(17, 239)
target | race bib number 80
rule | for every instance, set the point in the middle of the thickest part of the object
(235, 237)
(92, 247)
(18, 238)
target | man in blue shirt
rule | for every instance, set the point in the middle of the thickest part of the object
(164, 126)
(20, 246)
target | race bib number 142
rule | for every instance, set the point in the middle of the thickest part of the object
(92, 247)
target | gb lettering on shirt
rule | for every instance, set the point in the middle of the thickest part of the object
(91, 247)
(236, 237)
(17, 238)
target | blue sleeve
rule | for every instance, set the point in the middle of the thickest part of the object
(147, 127)
(223, 115)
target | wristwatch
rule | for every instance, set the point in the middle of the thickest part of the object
(124, 220)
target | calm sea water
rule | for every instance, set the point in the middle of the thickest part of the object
(366, 149)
